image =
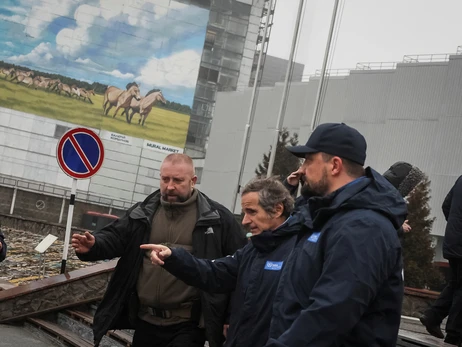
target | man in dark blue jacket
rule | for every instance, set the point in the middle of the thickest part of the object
(2, 247)
(449, 303)
(253, 271)
(342, 285)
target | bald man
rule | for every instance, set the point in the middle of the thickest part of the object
(164, 311)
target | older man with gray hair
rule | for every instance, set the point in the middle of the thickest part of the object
(253, 271)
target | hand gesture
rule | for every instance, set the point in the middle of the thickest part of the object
(225, 330)
(406, 227)
(83, 243)
(158, 253)
(294, 178)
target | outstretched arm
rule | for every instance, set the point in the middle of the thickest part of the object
(108, 243)
(216, 276)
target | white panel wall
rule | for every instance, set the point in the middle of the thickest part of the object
(28, 151)
(412, 113)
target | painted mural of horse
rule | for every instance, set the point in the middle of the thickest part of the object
(119, 98)
(144, 106)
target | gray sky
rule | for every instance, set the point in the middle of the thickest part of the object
(370, 30)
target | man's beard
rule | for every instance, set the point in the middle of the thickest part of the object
(179, 198)
(320, 188)
(306, 191)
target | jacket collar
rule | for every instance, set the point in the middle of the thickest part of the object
(269, 240)
(149, 206)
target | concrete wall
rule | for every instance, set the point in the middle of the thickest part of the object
(412, 113)
(28, 143)
(275, 70)
(28, 152)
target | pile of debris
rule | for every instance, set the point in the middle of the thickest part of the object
(23, 264)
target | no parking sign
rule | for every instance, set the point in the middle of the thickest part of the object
(80, 154)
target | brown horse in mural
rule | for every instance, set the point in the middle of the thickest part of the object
(120, 98)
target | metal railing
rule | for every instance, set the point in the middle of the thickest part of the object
(60, 192)
(329, 73)
(376, 66)
(426, 58)
(333, 72)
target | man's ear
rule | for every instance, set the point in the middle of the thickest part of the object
(278, 210)
(337, 166)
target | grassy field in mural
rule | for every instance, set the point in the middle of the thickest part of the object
(161, 125)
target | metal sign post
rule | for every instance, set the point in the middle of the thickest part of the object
(80, 154)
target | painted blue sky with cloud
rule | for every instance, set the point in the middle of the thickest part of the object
(157, 43)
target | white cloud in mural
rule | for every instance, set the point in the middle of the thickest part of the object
(84, 61)
(40, 55)
(176, 70)
(14, 18)
(9, 44)
(118, 74)
(44, 13)
(15, 9)
(71, 41)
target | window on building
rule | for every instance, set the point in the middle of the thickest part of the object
(208, 75)
(241, 10)
(237, 27)
(234, 43)
(210, 38)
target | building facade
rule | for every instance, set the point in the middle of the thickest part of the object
(233, 35)
(410, 111)
(274, 71)
(31, 183)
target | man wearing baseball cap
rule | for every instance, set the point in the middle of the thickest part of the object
(342, 285)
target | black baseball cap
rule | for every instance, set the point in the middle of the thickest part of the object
(335, 139)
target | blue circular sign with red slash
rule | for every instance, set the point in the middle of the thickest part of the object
(80, 153)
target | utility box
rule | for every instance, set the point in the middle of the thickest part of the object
(92, 220)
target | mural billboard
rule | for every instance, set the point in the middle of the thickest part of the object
(126, 66)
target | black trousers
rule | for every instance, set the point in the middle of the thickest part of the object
(179, 335)
(449, 303)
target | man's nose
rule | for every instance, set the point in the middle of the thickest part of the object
(246, 220)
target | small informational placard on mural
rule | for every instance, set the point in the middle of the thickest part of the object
(127, 67)
(162, 148)
(119, 138)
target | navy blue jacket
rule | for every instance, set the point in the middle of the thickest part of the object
(3, 251)
(253, 272)
(342, 285)
(452, 209)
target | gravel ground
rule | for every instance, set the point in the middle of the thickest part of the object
(22, 264)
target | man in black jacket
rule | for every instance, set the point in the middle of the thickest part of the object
(449, 303)
(146, 298)
(342, 284)
(2, 247)
(402, 175)
(253, 271)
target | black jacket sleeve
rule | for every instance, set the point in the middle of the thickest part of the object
(4, 247)
(214, 276)
(110, 241)
(448, 200)
(292, 189)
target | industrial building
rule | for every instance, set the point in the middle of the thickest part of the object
(410, 110)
